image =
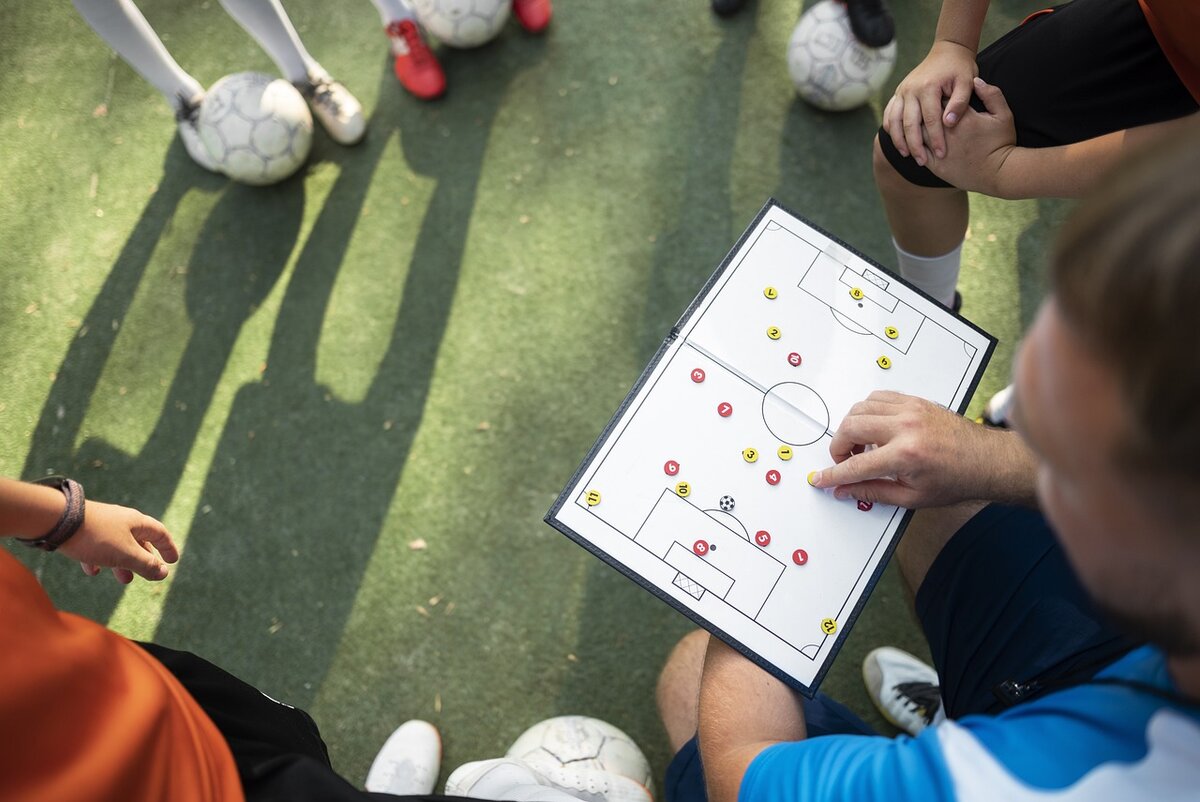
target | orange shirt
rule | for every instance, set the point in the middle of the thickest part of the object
(1176, 26)
(88, 715)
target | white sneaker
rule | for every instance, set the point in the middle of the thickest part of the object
(504, 778)
(998, 408)
(904, 689)
(187, 114)
(407, 765)
(337, 109)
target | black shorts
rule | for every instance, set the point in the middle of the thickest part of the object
(1085, 69)
(277, 748)
(999, 604)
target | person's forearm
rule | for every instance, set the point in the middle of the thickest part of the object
(28, 510)
(743, 710)
(961, 22)
(1009, 475)
(1069, 171)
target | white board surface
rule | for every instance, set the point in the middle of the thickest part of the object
(739, 405)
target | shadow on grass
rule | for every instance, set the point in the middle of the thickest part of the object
(687, 253)
(230, 272)
(825, 175)
(618, 618)
(302, 481)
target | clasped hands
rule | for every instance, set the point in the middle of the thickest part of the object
(929, 118)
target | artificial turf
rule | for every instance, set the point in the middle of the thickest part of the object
(352, 396)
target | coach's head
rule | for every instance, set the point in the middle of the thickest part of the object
(1108, 395)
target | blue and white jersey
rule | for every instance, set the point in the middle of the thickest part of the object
(1089, 742)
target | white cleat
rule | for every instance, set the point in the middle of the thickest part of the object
(999, 408)
(187, 114)
(339, 111)
(904, 689)
(505, 778)
(407, 765)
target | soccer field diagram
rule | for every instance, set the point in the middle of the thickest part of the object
(698, 488)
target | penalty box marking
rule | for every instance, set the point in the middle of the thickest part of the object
(751, 572)
(699, 570)
(892, 311)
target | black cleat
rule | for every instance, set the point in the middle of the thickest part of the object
(870, 21)
(727, 8)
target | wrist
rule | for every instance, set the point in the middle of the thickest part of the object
(950, 44)
(1012, 178)
(70, 504)
(1010, 477)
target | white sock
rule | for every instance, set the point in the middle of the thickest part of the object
(393, 10)
(935, 275)
(121, 24)
(270, 26)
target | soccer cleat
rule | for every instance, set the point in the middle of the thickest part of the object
(504, 778)
(904, 689)
(339, 111)
(998, 409)
(871, 22)
(534, 15)
(407, 765)
(416, 67)
(187, 114)
(727, 8)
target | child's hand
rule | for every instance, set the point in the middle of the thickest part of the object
(931, 98)
(123, 539)
(978, 147)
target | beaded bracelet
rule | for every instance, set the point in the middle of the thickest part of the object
(72, 517)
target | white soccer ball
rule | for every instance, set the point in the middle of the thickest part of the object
(258, 128)
(829, 67)
(463, 23)
(581, 742)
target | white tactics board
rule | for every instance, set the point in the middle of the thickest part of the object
(697, 488)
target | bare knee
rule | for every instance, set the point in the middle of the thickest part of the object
(887, 179)
(926, 221)
(678, 692)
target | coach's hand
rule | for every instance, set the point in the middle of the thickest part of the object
(924, 456)
(931, 98)
(123, 539)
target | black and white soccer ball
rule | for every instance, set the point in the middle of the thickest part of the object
(258, 128)
(581, 742)
(727, 503)
(830, 68)
(463, 23)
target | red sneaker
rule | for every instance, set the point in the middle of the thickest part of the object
(416, 66)
(534, 15)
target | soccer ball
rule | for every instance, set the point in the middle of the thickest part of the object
(257, 128)
(581, 742)
(829, 67)
(727, 503)
(463, 23)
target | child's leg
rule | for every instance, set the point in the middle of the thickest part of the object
(928, 225)
(268, 23)
(393, 10)
(338, 110)
(121, 24)
(416, 66)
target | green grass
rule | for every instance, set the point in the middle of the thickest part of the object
(417, 338)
